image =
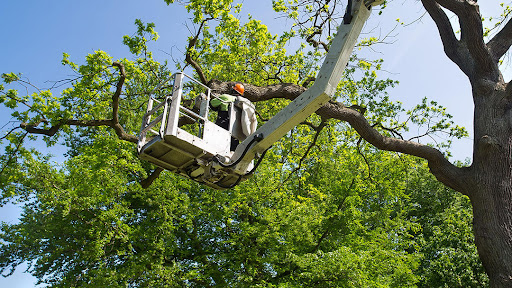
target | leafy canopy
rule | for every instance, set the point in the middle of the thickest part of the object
(325, 209)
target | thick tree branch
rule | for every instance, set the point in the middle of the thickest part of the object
(444, 171)
(113, 123)
(119, 89)
(479, 62)
(317, 43)
(501, 42)
(32, 129)
(451, 44)
(257, 94)
(472, 35)
(115, 106)
(308, 81)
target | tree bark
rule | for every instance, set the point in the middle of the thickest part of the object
(490, 176)
(491, 194)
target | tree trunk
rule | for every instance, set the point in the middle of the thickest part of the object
(491, 192)
(493, 236)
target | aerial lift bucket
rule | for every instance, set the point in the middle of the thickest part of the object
(178, 133)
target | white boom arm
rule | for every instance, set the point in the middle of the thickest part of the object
(315, 97)
(206, 157)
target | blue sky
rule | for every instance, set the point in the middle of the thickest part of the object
(36, 33)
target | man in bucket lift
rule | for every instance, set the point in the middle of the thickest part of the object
(248, 118)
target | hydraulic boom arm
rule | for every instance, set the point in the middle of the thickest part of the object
(323, 89)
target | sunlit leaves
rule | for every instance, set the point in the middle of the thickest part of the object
(208, 8)
(145, 33)
(324, 209)
(433, 119)
(243, 51)
(10, 77)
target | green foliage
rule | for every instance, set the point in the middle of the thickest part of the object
(327, 224)
(248, 52)
(145, 33)
(449, 257)
(10, 77)
(323, 210)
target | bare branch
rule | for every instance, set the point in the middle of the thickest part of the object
(188, 56)
(450, 42)
(501, 42)
(478, 62)
(9, 133)
(473, 37)
(393, 131)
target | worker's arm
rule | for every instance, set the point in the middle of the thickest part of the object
(222, 102)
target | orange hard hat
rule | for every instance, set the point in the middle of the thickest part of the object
(239, 88)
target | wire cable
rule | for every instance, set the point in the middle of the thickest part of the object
(245, 175)
(256, 138)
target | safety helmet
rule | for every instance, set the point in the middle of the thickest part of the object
(239, 88)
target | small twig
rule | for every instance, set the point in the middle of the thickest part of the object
(13, 153)
(364, 158)
(391, 130)
(263, 119)
(9, 133)
(318, 129)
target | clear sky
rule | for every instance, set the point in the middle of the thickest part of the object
(36, 33)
